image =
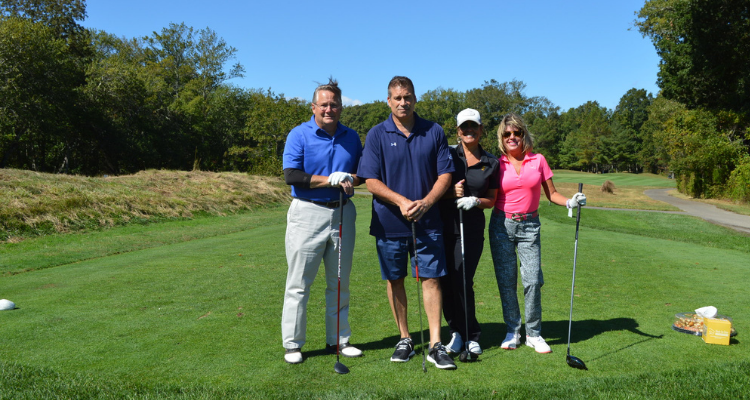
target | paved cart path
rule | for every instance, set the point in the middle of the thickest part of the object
(706, 211)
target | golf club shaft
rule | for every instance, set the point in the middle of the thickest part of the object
(575, 260)
(419, 290)
(463, 268)
(338, 291)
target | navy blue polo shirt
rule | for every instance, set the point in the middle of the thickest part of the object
(312, 150)
(408, 166)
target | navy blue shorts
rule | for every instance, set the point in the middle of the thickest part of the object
(394, 253)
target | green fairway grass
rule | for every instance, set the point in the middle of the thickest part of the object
(619, 178)
(191, 310)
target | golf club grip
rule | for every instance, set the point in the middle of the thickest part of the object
(578, 211)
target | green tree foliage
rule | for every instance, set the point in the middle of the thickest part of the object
(59, 15)
(627, 119)
(38, 80)
(702, 155)
(260, 147)
(587, 144)
(738, 187)
(654, 155)
(704, 47)
(363, 117)
(442, 106)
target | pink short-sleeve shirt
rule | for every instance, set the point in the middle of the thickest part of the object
(520, 193)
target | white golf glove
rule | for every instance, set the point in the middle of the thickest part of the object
(336, 178)
(577, 199)
(467, 203)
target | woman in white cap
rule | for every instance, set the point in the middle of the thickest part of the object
(514, 227)
(474, 188)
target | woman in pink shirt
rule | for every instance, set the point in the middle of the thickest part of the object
(514, 228)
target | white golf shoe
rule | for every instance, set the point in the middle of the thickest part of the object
(293, 356)
(346, 350)
(511, 341)
(537, 343)
(473, 347)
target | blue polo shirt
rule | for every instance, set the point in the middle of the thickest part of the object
(408, 166)
(312, 150)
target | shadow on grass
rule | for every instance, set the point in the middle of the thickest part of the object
(556, 332)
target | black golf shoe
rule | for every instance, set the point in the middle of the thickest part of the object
(404, 350)
(440, 357)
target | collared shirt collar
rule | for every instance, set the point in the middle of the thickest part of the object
(390, 126)
(526, 158)
(482, 154)
(314, 125)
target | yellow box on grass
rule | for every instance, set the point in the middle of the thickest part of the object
(717, 331)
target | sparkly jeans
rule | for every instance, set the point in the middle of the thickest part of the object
(508, 237)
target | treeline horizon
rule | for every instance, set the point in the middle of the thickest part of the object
(84, 101)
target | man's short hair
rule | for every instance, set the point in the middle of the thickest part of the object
(400, 81)
(331, 86)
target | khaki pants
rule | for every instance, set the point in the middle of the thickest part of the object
(312, 235)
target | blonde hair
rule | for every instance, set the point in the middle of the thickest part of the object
(514, 120)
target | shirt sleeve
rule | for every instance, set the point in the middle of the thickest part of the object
(544, 168)
(358, 155)
(294, 150)
(445, 160)
(369, 164)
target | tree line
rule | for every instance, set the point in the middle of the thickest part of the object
(85, 101)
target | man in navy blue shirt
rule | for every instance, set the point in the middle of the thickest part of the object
(320, 160)
(407, 166)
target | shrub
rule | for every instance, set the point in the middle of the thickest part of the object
(738, 186)
(608, 187)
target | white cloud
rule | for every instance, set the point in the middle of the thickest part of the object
(349, 102)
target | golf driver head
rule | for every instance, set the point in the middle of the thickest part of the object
(575, 362)
(467, 356)
(340, 368)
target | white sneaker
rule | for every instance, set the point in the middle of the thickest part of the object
(537, 343)
(348, 350)
(293, 356)
(456, 344)
(473, 347)
(511, 341)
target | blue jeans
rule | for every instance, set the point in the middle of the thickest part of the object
(508, 237)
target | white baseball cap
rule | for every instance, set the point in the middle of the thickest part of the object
(468, 114)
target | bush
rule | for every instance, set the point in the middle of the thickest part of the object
(608, 187)
(738, 186)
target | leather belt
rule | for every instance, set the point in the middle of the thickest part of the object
(518, 217)
(327, 204)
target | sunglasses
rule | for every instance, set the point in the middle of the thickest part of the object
(518, 134)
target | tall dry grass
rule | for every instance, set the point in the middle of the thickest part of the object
(33, 203)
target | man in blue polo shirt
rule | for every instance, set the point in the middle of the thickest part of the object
(408, 167)
(320, 160)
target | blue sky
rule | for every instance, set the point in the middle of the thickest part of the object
(568, 51)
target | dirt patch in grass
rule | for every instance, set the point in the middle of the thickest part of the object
(33, 203)
(623, 196)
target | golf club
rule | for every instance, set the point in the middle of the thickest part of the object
(339, 367)
(574, 362)
(419, 290)
(465, 355)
